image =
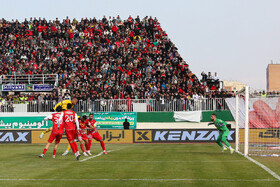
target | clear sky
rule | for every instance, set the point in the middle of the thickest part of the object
(236, 38)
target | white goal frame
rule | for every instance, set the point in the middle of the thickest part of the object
(244, 91)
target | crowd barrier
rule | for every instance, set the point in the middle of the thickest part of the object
(121, 105)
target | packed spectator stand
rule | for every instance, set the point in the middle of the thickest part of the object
(95, 59)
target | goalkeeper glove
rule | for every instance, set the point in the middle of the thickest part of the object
(41, 135)
(211, 124)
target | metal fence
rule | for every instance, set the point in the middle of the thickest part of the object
(7, 107)
(124, 105)
(29, 79)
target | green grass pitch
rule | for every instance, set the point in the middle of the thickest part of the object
(134, 165)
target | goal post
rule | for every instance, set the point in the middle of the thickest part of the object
(236, 122)
(246, 143)
(257, 123)
(244, 92)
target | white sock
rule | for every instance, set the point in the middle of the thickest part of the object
(230, 148)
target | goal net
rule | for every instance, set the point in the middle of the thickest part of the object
(257, 124)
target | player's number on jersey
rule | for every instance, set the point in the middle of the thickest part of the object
(69, 118)
(56, 120)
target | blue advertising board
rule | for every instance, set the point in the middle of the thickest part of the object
(43, 87)
(13, 87)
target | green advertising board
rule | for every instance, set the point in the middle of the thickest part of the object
(24, 122)
(113, 120)
(105, 120)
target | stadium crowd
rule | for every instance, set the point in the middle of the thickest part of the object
(109, 58)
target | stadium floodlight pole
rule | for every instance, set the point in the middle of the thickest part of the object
(236, 122)
(246, 143)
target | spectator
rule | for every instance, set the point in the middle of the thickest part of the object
(216, 77)
(126, 124)
(112, 57)
(209, 77)
(195, 97)
(67, 96)
(204, 77)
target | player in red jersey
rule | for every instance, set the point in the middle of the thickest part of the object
(71, 124)
(56, 133)
(92, 133)
(82, 135)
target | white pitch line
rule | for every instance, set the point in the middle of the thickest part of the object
(159, 161)
(210, 180)
(99, 154)
(262, 166)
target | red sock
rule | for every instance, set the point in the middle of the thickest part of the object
(73, 147)
(88, 145)
(76, 147)
(82, 147)
(45, 150)
(102, 145)
(54, 152)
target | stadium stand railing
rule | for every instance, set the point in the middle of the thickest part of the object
(124, 105)
(29, 79)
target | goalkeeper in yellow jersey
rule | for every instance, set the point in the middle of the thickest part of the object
(64, 103)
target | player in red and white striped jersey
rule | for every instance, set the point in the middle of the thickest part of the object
(71, 125)
(56, 133)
